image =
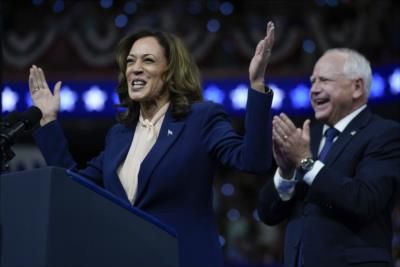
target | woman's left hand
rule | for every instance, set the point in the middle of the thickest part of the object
(259, 62)
(47, 101)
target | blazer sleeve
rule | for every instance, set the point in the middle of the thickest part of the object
(371, 190)
(54, 147)
(270, 207)
(251, 152)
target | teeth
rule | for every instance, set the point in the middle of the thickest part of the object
(138, 82)
(320, 101)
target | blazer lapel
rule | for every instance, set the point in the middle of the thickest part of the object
(123, 141)
(359, 122)
(169, 132)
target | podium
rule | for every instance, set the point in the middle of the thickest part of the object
(50, 218)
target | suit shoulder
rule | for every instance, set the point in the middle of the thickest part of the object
(205, 105)
(118, 128)
(207, 109)
(381, 124)
(380, 129)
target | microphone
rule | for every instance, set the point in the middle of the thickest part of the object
(18, 123)
(9, 120)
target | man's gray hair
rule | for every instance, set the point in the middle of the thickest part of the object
(356, 66)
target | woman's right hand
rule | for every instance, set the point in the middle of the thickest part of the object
(259, 62)
(42, 96)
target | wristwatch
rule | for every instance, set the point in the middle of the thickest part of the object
(268, 90)
(306, 164)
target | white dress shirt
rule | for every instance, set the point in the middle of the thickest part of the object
(145, 137)
(285, 187)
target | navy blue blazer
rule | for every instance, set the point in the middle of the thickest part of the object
(344, 217)
(176, 177)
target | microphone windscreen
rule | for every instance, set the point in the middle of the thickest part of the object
(31, 117)
(10, 119)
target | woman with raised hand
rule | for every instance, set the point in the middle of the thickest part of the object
(162, 155)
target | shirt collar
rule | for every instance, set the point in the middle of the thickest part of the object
(160, 113)
(342, 124)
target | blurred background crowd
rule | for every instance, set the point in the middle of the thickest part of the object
(74, 41)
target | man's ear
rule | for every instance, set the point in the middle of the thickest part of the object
(359, 90)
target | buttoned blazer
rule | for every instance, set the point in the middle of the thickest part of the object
(344, 217)
(175, 181)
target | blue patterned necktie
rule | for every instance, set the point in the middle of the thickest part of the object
(330, 134)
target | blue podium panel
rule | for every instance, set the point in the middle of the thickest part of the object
(51, 219)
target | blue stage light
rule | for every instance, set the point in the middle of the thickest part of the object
(214, 93)
(300, 96)
(58, 6)
(239, 96)
(68, 99)
(115, 98)
(233, 215)
(213, 25)
(106, 3)
(377, 86)
(130, 7)
(226, 8)
(94, 99)
(279, 95)
(309, 46)
(227, 189)
(291, 95)
(121, 20)
(28, 99)
(9, 99)
(394, 81)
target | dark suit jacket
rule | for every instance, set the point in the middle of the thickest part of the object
(344, 217)
(175, 179)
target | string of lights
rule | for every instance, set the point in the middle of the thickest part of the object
(94, 98)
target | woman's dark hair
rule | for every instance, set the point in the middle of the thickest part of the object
(182, 78)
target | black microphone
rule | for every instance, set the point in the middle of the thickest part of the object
(9, 120)
(18, 123)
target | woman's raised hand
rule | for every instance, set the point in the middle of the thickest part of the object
(259, 62)
(48, 102)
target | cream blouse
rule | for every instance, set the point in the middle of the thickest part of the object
(145, 137)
